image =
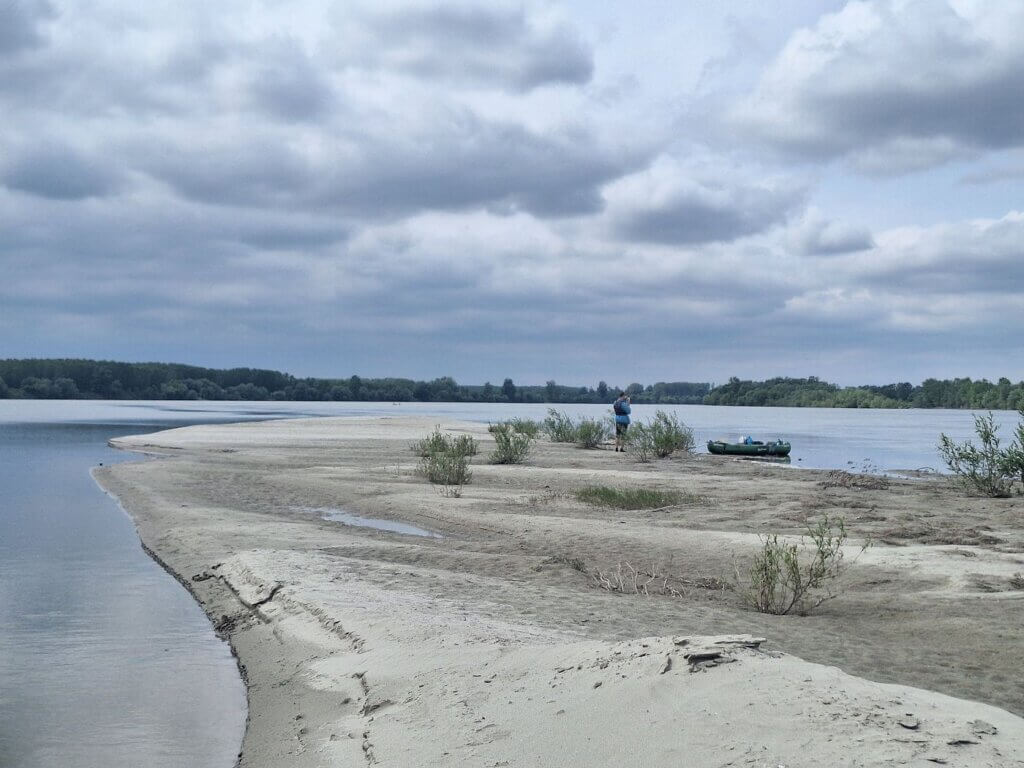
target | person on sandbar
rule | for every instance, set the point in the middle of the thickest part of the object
(622, 409)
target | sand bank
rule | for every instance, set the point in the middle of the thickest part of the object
(492, 645)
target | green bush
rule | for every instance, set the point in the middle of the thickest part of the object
(627, 498)
(1015, 453)
(987, 469)
(465, 445)
(449, 469)
(527, 427)
(560, 427)
(669, 436)
(511, 446)
(590, 433)
(440, 442)
(640, 442)
(788, 576)
(662, 437)
(444, 460)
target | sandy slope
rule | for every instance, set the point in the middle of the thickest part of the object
(494, 646)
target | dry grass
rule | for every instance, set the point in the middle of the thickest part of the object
(837, 478)
(632, 498)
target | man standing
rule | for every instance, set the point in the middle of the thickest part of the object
(622, 409)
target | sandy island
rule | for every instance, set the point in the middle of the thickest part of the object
(492, 645)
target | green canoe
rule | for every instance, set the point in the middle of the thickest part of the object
(756, 448)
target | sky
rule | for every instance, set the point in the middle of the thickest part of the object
(575, 190)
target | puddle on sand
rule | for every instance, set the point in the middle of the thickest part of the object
(392, 526)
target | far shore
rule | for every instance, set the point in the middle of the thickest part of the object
(491, 642)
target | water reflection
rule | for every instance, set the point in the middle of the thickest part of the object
(105, 659)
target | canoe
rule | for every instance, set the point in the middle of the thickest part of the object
(757, 448)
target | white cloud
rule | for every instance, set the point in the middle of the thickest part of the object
(895, 85)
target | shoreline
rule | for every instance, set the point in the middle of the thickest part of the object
(365, 646)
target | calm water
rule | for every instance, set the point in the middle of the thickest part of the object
(104, 658)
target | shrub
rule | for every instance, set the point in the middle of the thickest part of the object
(511, 446)
(669, 435)
(440, 442)
(661, 438)
(444, 460)
(986, 470)
(465, 445)
(640, 442)
(627, 498)
(435, 442)
(527, 427)
(449, 469)
(590, 433)
(1015, 453)
(559, 427)
(782, 578)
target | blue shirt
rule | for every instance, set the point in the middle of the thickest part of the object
(623, 418)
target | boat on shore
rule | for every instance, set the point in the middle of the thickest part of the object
(752, 448)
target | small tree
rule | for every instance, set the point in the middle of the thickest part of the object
(985, 469)
(669, 435)
(787, 576)
(1015, 453)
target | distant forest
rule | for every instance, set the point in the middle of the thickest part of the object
(106, 380)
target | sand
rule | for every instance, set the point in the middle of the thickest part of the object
(492, 643)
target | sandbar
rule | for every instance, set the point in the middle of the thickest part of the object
(491, 642)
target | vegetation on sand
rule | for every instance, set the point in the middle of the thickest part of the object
(788, 576)
(510, 445)
(627, 498)
(586, 433)
(444, 460)
(441, 442)
(662, 437)
(986, 468)
(590, 433)
(560, 427)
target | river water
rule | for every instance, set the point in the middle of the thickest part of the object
(106, 661)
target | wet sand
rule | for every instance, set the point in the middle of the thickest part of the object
(494, 644)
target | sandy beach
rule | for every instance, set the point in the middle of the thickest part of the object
(490, 642)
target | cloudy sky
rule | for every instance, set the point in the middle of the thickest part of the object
(571, 190)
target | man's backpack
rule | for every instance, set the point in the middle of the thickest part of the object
(617, 407)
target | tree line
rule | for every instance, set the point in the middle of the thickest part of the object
(814, 393)
(108, 380)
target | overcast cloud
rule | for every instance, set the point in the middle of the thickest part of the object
(537, 190)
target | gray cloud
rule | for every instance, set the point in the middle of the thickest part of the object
(968, 257)
(287, 85)
(484, 43)
(464, 163)
(896, 85)
(817, 236)
(57, 171)
(700, 218)
(664, 205)
(20, 23)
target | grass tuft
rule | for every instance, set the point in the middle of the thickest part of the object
(628, 498)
